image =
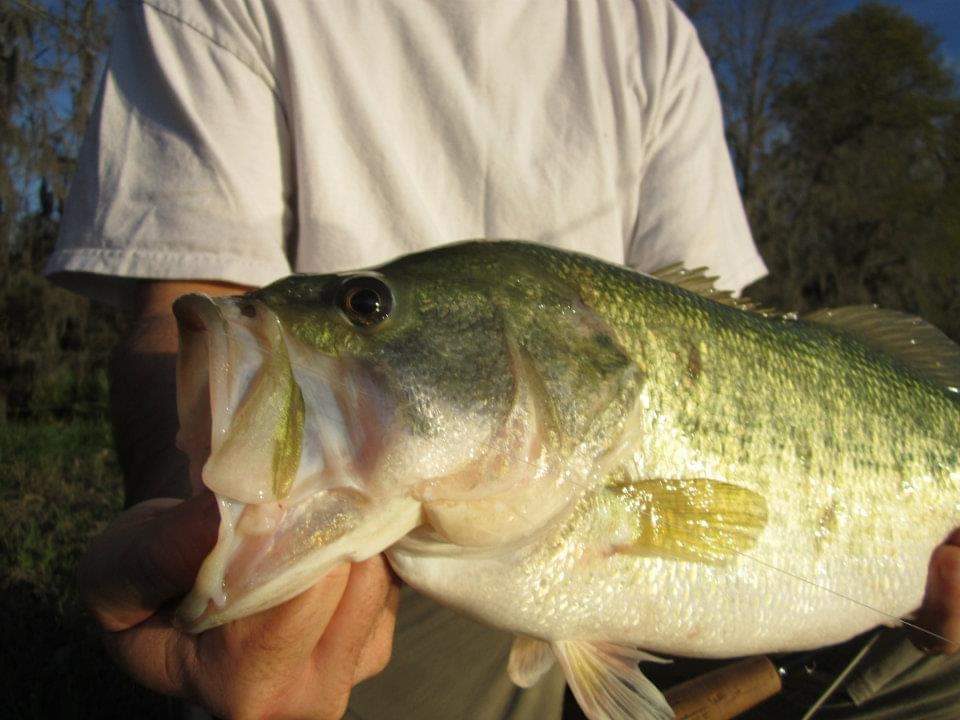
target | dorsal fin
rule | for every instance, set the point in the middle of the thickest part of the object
(911, 340)
(697, 281)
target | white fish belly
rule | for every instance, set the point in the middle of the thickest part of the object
(773, 598)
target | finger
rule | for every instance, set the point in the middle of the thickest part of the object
(175, 546)
(297, 624)
(376, 650)
(940, 612)
(283, 635)
(155, 655)
(149, 555)
(265, 660)
(368, 593)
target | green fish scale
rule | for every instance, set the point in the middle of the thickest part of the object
(854, 455)
(763, 401)
(772, 400)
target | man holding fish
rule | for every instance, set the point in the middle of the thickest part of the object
(234, 143)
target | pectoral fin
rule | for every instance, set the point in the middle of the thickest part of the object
(694, 520)
(530, 659)
(607, 683)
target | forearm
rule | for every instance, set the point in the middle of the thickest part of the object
(143, 393)
(144, 412)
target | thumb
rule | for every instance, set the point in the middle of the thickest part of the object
(150, 554)
(940, 612)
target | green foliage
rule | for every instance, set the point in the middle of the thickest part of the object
(60, 484)
(754, 47)
(53, 345)
(50, 53)
(59, 481)
(861, 202)
(54, 349)
(869, 73)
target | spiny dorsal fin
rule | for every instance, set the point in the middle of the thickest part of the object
(697, 281)
(911, 340)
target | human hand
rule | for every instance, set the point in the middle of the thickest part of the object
(299, 659)
(940, 612)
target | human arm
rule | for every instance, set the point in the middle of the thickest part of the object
(143, 390)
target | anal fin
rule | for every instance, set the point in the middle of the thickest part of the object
(607, 683)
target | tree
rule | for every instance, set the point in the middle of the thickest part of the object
(50, 54)
(753, 46)
(863, 207)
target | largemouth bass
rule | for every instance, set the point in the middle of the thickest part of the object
(595, 459)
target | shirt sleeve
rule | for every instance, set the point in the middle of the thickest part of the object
(690, 208)
(184, 172)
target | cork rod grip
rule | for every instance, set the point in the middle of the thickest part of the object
(726, 692)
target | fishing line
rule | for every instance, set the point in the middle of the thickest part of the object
(267, 350)
(837, 593)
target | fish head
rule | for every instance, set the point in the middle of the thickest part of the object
(451, 392)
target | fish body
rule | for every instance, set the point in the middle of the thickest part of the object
(595, 459)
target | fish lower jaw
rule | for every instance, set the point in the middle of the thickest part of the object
(208, 604)
(195, 613)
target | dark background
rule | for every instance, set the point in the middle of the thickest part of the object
(844, 125)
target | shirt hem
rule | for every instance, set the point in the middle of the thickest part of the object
(106, 274)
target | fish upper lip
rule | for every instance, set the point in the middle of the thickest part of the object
(195, 311)
(224, 349)
(215, 368)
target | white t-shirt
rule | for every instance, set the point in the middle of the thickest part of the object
(239, 141)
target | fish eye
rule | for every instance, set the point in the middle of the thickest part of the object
(365, 300)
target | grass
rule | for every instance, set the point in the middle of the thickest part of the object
(59, 484)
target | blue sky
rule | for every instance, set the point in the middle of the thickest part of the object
(941, 15)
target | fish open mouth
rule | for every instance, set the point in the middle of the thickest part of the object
(313, 462)
(284, 438)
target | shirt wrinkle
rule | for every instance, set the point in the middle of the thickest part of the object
(398, 126)
(167, 11)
